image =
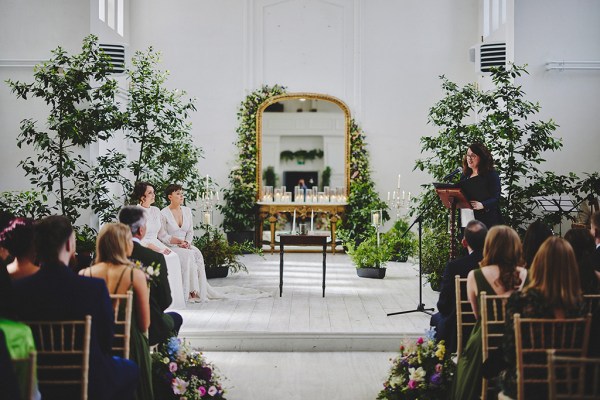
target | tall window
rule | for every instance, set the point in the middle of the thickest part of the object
(112, 13)
(494, 16)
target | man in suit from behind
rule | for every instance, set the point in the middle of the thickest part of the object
(162, 325)
(56, 293)
(444, 320)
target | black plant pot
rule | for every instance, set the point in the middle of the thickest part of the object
(217, 272)
(371, 272)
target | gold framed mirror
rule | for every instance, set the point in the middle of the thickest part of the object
(300, 136)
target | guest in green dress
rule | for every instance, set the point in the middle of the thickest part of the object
(553, 291)
(113, 248)
(501, 273)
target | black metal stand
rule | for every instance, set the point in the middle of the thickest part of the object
(420, 306)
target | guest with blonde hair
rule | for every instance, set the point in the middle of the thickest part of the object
(113, 247)
(553, 291)
(501, 273)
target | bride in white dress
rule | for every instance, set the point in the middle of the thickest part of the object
(155, 239)
(179, 226)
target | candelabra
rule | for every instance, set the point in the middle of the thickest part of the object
(398, 200)
(207, 204)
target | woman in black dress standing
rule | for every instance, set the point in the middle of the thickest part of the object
(481, 184)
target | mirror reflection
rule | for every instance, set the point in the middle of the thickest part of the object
(303, 150)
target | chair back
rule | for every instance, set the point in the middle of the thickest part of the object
(592, 302)
(493, 317)
(465, 317)
(63, 354)
(533, 336)
(25, 368)
(573, 378)
(122, 307)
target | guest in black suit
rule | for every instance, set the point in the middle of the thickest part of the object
(162, 325)
(56, 293)
(444, 320)
(481, 184)
(595, 229)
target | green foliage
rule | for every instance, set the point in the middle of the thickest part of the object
(368, 254)
(158, 123)
(286, 155)
(435, 255)
(362, 198)
(85, 239)
(82, 110)
(240, 197)
(29, 203)
(402, 242)
(505, 125)
(326, 177)
(270, 176)
(301, 155)
(217, 252)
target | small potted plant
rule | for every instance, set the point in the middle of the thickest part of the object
(403, 244)
(369, 258)
(220, 257)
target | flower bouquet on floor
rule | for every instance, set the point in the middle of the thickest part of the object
(181, 373)
(423, 370)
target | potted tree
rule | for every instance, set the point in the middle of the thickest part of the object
(369, 258)
(403, 244)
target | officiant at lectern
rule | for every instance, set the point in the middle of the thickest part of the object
(481, 184)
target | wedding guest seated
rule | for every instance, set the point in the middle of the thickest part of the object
(17, 238)
(162, 325)
(444, 320)
(113, 247)
(500, 274)
(582, 242)
(55, 293)
(553, 291)
(5, 218)
(535, 235)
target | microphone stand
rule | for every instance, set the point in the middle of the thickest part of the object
(420, 306)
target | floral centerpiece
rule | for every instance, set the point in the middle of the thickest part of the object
(423, 370)
(181, 373)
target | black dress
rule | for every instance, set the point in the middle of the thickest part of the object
(485, 189)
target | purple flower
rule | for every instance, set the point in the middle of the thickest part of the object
(436, 379)
(201, 391)
(439, 368)
(172, 366)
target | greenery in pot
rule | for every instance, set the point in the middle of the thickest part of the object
(270, 176)
(217, 252)
(402, 245)
(368, 255)
(356, 226)
(504, 121)
(326, 177)
(435, 255)
(83, 110)
(239, 198)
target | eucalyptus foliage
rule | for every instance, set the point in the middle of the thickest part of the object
(240, 196)
(80, 96)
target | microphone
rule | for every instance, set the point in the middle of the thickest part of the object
(452, 174)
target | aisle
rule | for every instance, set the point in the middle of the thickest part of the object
(301, 376)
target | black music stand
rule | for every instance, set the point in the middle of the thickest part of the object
(562, 205)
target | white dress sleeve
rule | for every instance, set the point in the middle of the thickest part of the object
(188, 222)
(163, 235)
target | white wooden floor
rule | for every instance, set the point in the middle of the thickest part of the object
(352, 316)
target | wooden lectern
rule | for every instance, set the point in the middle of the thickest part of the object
(452, 197)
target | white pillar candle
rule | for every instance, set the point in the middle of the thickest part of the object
(312, 216)
(375, 218)
(388, 196)
(399, 176)
(408, 200)
(294, 224)
(207, 218)
(403, 195)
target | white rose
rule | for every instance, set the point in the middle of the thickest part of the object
(396, 381)
(150, 271)
(417, 375)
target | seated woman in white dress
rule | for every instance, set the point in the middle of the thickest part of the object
(179, 225)
(155, 237)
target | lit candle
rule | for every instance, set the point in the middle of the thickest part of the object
(207, 218)
(312, 215)
(388, 196)
(375, 218)
(403, 195)
(399, 176)
(294, 224)
(217, 195)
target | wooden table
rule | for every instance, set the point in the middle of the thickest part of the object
(302, 240)
(303, 210)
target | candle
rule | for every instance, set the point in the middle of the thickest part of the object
(408, 201)
(375, 218)
(207, 181)
(294, 224)
(399, 176)
(312, 215)
(403, 195)
(388, 196)
(217, 195)
(207, 218)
